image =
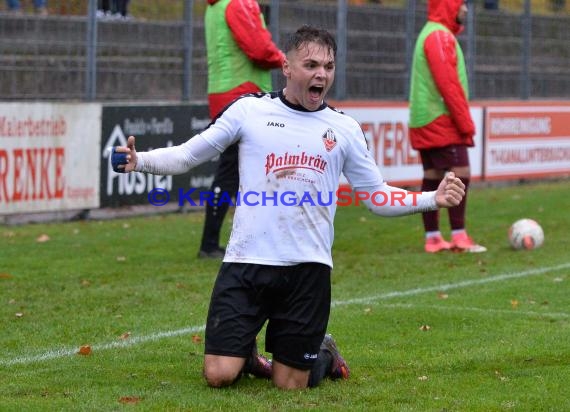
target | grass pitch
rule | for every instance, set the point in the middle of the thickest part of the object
(445, 332)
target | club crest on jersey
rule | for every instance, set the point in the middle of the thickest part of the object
(329, 139)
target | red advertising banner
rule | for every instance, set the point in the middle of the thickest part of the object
(527, 141)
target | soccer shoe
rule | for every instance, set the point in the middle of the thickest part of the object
(339, 367)
(214, 254)
(436, 244)
(258, 365)
(461, 242)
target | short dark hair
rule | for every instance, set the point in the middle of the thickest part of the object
(309, 34)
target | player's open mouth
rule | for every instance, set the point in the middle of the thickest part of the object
(316, 92)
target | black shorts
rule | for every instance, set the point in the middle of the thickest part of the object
(295, 300)
(444, 158)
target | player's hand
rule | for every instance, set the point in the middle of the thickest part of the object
(450, 191)
(124, 158)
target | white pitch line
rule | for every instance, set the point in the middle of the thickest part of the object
(60, 353)
(555, 315)
(448, 286)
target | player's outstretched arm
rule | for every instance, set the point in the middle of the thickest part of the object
(124, 158)
(450, 191)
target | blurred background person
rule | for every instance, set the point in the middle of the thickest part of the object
(441, 127)
(113, 9)
(241, 54)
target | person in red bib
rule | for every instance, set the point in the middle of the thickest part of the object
(241, 54)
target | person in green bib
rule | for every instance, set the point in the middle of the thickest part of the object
(440, 124)
(241, 54)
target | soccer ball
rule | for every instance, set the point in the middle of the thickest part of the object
(525, 234)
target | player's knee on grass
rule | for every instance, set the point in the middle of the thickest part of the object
(222, 372)
(286, 377)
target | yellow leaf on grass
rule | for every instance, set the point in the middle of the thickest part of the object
(5, 276)
(196, 339)
(425, 328)
(514, 303)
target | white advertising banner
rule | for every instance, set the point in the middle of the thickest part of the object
(49, 157)
(386, 130)
(527, 141)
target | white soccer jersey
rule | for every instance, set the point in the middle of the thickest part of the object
(290, 162)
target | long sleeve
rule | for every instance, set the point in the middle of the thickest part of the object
(176, 160)
(390, 201)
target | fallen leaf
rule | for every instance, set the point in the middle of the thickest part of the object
(125, 336)
(514, 303)
(19, 314)
(129, 399)
(180, 285)
(196, 339)
(85, 282)
(442, 295)
(42, 238)
(367, 310)
(5, 276)
(121, 258)
(85, 350)
(425, 328)
(423, 378)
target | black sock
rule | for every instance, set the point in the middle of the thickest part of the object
(321, 368)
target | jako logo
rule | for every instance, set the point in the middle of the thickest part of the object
(275, 124)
